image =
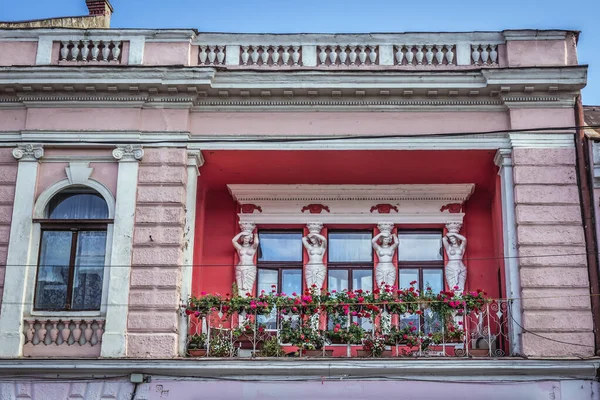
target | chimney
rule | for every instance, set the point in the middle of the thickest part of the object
(99, 7)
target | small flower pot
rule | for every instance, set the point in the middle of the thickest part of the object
(197, 352)
(479, 352)
(316, 353)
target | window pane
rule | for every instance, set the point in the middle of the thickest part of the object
(89, 270)
(362, 279)
(266, 279)
(350, 247)
(53, 273)
(291, 281)
(280, 246)
(77, 206)
(420, 246)
(407, 276)
(433, 278)
(338, 279)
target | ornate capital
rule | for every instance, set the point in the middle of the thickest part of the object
(195, 159)
(128, 153)
(314, 227)
(385, 227)
(453, 227)
(503, 158)
(247, 227)
(28, 152)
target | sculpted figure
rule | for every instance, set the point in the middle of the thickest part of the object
(315, 245)
(385, 271)
(455, 245)
(245, 271)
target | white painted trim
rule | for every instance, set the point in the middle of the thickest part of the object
(39, 212)
(195, 160)
(534, 34)
(370, 219)
(542, 140)
(503, 160)
(437, 192)
(114, 340)
(19, 262)
(503, 370)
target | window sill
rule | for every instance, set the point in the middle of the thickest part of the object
(66, 314)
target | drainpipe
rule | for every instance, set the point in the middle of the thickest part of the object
(587, 213)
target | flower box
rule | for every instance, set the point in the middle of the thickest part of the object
(316, 353)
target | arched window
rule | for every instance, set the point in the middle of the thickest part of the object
(72, 252)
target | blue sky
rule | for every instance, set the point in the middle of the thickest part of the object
(338, 16)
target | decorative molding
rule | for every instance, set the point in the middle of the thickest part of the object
(349, 204)
(128, 153)
(78, 173)
(552, 139)
(247, 226)
(503, 158)
(453, 227)
(452, 208)
(384, 208)
(435, 192)
(28, 152)
(249, 208)
(315, 208)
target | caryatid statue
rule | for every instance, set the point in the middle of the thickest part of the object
(455, 245)
(315, 245)
(245, 271)
(385, 244)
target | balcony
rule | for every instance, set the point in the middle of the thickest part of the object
(393, 323)
(63, 337)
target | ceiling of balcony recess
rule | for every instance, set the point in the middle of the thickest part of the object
(224, 167)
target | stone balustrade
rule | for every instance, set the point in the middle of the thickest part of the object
(428, 54)
(484, 54)
(350, 55)
(58, 337)
(73, 51)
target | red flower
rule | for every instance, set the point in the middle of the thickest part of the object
(413, 283)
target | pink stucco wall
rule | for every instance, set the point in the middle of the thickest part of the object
(8, 175)
(526, 118)
(170, 53)
(51, 172)
(345, 123)
(551, 244)
(157, 254)
(18, 53)
(107, 119)
(336, 388)
(525, 53)
(13, 119)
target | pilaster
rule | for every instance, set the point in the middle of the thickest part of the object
(194, 161)
(114, 340)
(503, 160)
(19, 263)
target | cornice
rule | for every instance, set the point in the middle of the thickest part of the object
(534, 34)
(445, 192)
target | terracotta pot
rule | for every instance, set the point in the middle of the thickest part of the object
(479, 352)
(197, 352)
(365, 353)
(316, 353)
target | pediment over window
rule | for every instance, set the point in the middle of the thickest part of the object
(352, 204)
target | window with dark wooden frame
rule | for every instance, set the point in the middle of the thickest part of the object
(72, 252)
(350, 263)
(280, 262)
(420, 260)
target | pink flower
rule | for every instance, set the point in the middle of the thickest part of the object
(203, 294)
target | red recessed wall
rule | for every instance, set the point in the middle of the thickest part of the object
(216, 224)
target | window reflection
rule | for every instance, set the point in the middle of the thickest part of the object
(280, 246)
(420, 246)
(350, 247)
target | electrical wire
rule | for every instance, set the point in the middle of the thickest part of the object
(300, 140)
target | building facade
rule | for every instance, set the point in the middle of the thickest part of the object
(144, 167)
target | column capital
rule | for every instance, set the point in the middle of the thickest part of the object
(195, 159)
(28, 152)
(503, 158)
(128, 153)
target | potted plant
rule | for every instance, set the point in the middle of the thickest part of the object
(374, 346)
(309, 341)
(221, 346)
(197, 345)
(271, 348)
